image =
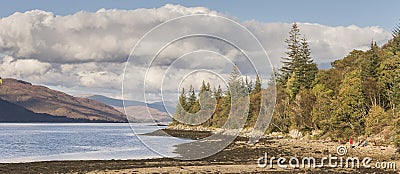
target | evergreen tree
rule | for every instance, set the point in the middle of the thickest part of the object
(181, 107)
(396, 31)
(293, 55)
(182, 100)
(371, 66)
(192, 100)
(203, 87)
(273, 79)
(235, 85)
(257, 85)
(218, 93)
(307, 66)
(304, 71)
(298, 70)
(204, 105)
(395, 42)
(248, 86)
(371, 87)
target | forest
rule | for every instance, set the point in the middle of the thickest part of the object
(359, 96)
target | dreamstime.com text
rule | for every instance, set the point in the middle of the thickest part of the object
(328, 161)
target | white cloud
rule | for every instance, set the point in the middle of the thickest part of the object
(86, 51)
(106, 35)
(19, 68)
(327, 43)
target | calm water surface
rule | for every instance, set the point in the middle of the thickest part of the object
(93, 141)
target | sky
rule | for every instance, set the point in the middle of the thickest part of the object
(81, 47)
(333, 13)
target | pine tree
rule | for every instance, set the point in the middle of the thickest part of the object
(203, 87)
(298, 70)
(181, 108)
(182, 100)
(257, 85)
(289, 63)
(307, 66)
(372, 64)
(235, 84)
(395, 42)
(304, 71)
(396, 31)
(371, 87)
(192, 100)
(248, 86)
(273, 78)
(218, 92)
(204, 106)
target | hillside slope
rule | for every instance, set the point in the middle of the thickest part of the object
(137, 111)
(12, 113)
(40, 99)
(120, 103)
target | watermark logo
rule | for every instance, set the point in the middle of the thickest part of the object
(341, 150)
(203, 45)
(327, 161)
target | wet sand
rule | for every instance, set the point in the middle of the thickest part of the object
(238, 157)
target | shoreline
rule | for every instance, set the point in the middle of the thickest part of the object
(232, 159)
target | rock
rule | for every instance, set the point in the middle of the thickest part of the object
(295, 134)
(326, 152)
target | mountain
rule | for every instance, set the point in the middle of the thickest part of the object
(115, 102)
(12, 113)
(160, 106)
(120, 103)
(40, 99)
(145, 114)
(138, 110)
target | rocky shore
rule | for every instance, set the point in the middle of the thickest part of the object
(238, 157)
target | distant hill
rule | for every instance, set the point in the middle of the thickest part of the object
(115, 102)
(12, 113)
(138, 110)
(119, 103)
(144, 114)
(40, 99)
(160, 106)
